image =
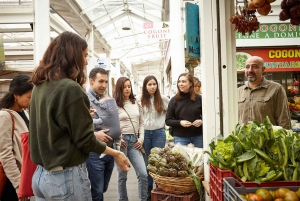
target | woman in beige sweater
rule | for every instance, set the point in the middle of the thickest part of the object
(132, 131)
(13, 102)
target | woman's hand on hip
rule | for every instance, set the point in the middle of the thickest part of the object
(185, 123)
(197, 123)
(138, 144)
(123, 144)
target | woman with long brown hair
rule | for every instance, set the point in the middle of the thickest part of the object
(184, 113)
(154, 110)
(61, 127)
(132, 131)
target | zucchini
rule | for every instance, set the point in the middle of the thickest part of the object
(240, 170)
(265, 156)
(220, 159)
(239, 141)
(245, 170)
(285, 153)
(280, 157)
(269, 176)
(279, 174)
(295, 174)
(284, 174)
(265, 133)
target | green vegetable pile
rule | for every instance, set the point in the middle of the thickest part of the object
(241, 61)
(180, 161)
(258, 152)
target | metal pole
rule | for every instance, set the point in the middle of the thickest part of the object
(220, 67)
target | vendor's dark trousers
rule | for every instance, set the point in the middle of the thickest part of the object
(9, 192)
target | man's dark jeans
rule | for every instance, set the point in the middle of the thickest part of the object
(100, 170)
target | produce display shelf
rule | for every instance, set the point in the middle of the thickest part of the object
(233, 188)
(159, 195)
(216, 176)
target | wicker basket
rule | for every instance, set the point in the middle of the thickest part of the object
(176, 185)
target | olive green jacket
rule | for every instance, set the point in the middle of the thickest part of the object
(268, 99)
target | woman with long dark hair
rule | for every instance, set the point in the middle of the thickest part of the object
(14, 103)
(154, 110)
(184, 113)
(61, 127)
(132, 131)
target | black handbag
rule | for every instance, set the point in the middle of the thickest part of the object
(171, 131)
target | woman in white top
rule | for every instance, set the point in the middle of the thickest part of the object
(132, 131)
(154, 110)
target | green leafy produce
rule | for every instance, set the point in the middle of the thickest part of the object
(258, 152)
(241, 61)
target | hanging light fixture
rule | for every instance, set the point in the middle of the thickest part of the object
(126, 24)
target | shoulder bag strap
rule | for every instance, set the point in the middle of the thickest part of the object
(13, 123)
(130, 121)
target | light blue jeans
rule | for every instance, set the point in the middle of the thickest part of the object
(196, 140)
(69, 184)
(153, 138)
(137, 161)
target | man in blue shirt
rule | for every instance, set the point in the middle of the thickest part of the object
(99, 168)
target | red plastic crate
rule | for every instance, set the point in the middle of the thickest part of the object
(216, 176)
(159, 195)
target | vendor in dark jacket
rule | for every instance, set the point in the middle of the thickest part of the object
(184, 113)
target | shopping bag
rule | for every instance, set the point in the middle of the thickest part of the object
(3, 179)
(28, 169)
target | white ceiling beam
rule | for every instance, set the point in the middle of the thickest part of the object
(152, 5)
(147, 16)
(14, 53)
(103, 25)
(125, 36)
(19, 47)
(143, 19)
(87, 23)
(18, 57)
(111, 32)
(57, 25)
(144, 53)
(18, 68)
(145, 45)
(16, 14)
(21, 61)
(17, 40)
(148, 60)
(122, 46)
(94, 5)
(107, 16)
(15, 30)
